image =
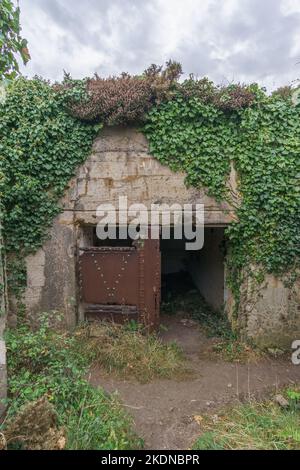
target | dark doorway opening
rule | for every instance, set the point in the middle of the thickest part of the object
(187, 272)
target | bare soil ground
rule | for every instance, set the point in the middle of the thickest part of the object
(165, 411)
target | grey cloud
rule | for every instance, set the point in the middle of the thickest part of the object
(252, 42)
(271, 39)
(88, 23)
(78, 18)
(267, 36)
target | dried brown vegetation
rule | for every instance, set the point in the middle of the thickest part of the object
(285, 92)
(125, 99)
(227, 98)
(35, 428)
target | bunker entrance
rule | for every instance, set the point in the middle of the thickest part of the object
(185, 273)
(123, 280)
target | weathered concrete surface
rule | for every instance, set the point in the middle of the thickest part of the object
(120, 165)
(269, 314)
(51, 285)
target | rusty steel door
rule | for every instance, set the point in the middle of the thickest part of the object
(121, 283)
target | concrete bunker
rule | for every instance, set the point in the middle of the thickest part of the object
(120, 164)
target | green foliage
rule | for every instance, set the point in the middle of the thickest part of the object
(40, 148)
(263, 143)
(47, 363)
(252, 426)
(11, 41)
(267, 159)
(194, 137)
(294, 399)
(2, 270)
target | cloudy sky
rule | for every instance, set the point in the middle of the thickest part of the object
(226, 40)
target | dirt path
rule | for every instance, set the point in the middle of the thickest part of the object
(164, 410)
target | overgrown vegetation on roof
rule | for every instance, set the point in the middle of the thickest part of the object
(128, 98)
(122, 100)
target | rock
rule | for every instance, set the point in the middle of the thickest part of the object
(188, 322)
(281, 401)
(215, 419)
(198, 419)
(2, 441)
(61, 443)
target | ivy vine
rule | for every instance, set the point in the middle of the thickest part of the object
(41, 146)
(263, 143)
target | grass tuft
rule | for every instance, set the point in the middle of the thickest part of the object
(127, 352)
(252, 426)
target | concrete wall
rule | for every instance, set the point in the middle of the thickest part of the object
(270, 315)
(51, 273)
